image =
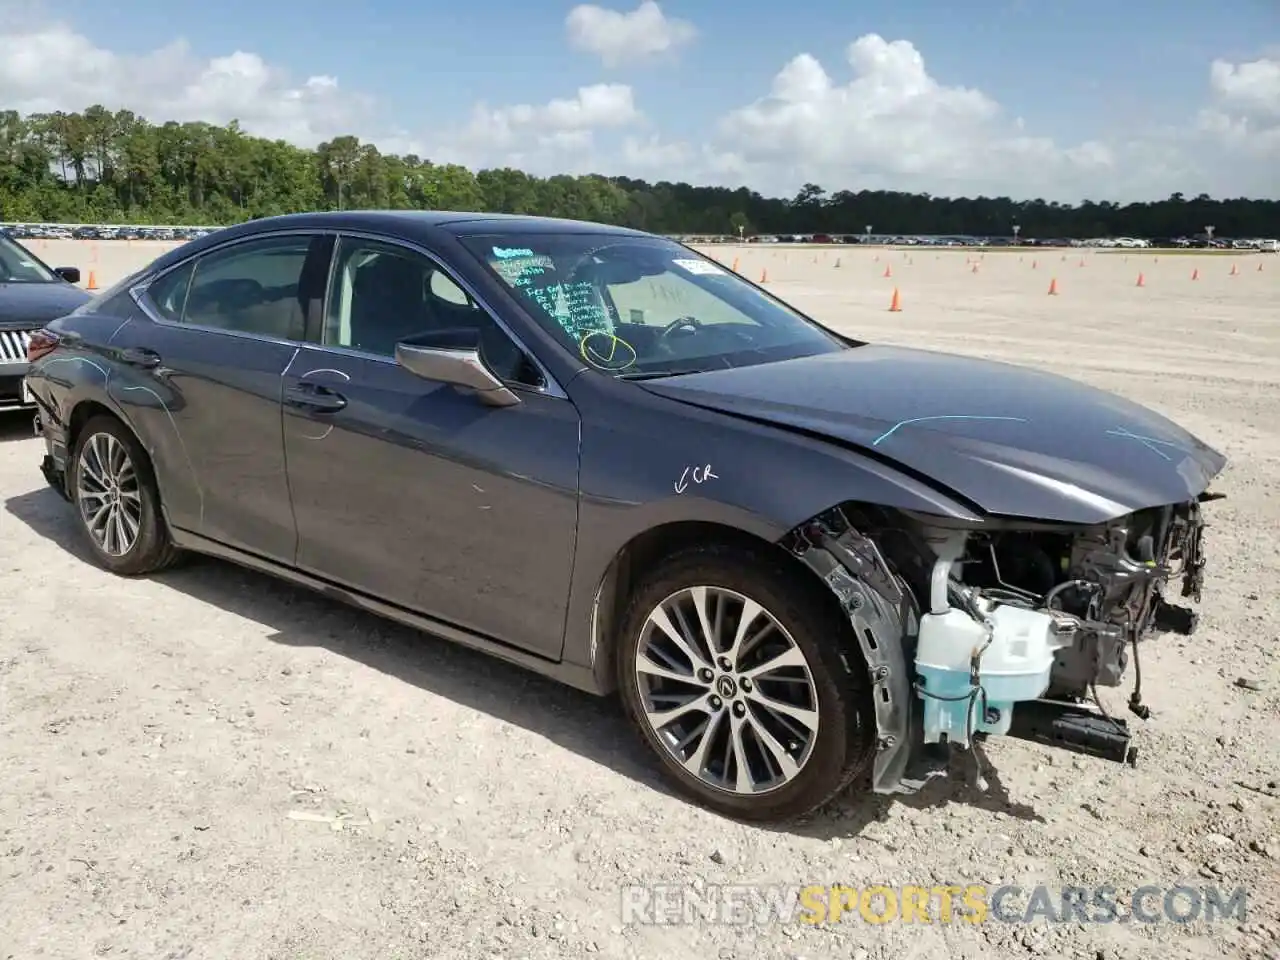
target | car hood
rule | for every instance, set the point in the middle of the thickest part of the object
(1011, 440)
(27, 305)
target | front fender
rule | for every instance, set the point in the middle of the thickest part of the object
(660, 462)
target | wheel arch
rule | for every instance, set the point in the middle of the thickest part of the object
(863, 560)
(639, 554)
(84, 411)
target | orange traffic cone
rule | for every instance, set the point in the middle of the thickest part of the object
(975, 267)
(1142, 281)
(735, 264)
(1235, 270)
(1195, 274)
(1259, 268)
(1053, 287)
(888, 270)
(764, 276)
(1082, 261)
(93, 281)
(895, 305)
(837, 261)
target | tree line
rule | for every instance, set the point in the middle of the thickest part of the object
(101, 166)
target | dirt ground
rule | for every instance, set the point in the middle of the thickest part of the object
(211, 764)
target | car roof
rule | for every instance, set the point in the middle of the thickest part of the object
(459, 223)
(422, 225)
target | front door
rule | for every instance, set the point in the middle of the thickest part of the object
(415, 491)
(204, 364)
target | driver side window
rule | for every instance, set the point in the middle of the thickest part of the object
(382, 293)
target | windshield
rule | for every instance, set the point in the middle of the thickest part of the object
(17, 265)
(637, 306)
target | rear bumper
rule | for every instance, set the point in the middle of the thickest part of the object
(53, 475)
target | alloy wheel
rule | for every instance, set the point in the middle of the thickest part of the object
(726, 690)
(108, 494)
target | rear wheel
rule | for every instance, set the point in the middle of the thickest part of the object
(732, 670)
(117, 503)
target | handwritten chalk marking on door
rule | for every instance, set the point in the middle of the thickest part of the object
(696, 474)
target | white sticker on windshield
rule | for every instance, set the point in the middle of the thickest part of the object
(698, 266)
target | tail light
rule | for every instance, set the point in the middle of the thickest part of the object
(41, 343)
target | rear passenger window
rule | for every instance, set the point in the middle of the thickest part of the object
(168, 294)
(252, 287)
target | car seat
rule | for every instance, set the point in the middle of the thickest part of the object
(388, 304)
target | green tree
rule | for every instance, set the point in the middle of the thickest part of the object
(116, 167)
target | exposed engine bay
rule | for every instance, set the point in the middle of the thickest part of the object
(1007, 630)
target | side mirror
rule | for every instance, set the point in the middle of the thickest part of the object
(69, 274)
(453, 356)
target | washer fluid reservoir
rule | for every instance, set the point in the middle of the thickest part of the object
(1014, 666)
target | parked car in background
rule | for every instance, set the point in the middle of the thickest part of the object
(31, 294)
(798, 557)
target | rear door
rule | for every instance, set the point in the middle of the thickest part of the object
(202, 369)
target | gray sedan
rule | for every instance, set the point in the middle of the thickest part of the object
(801, 560)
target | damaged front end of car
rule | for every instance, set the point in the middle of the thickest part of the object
(1002, 627)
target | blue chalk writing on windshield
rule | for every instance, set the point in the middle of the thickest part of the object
(575, 307)
(506, 253)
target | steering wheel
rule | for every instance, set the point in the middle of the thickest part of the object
(692, 323)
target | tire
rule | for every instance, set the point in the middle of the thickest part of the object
(839, 689)
(151, 548)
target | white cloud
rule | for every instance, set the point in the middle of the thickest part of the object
(1237, 136)
(888, 123)
(1250, 88)
(46, 67)
(555, 137)
(600, 105)
(559, 131)
(652, 154)
(619, 38)
(892, 125)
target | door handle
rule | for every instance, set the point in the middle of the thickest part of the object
(140, 357)
(314, 396)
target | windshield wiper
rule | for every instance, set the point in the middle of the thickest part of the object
(655, 374)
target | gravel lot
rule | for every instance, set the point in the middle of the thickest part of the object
(211, 764)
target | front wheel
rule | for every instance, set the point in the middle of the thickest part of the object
(733, 669)
(117, 501)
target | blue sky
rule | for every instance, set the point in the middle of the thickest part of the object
(1074, 71)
